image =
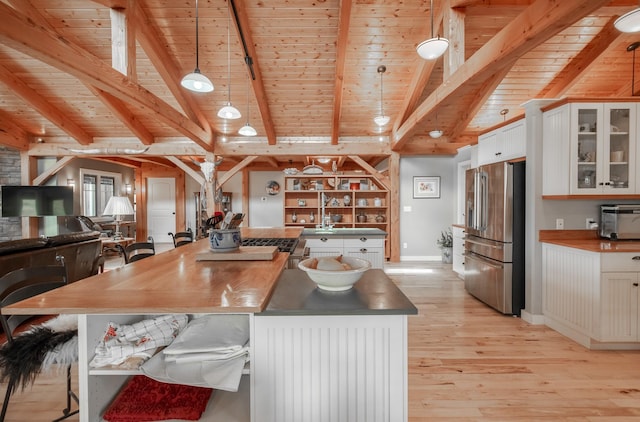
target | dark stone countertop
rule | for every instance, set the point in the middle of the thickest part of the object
(373, 294)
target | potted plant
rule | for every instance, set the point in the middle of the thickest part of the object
(445, 242)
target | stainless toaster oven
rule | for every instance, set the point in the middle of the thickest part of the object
(620, 221)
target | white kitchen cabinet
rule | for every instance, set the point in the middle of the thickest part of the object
(370, 248)
(458, 250)
(592, 297)
(504, 143)
(595, 139)
(619, 307)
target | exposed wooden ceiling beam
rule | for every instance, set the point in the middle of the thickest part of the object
(52, 113)
(119, 109)
(372, 170)
(581, 63)
(11, 134)
(23, 35)
(537, 23)
(151, 42)
(238, 167)
(341, 53)
(197, 176)
(241, 24)
(132, 163)
(45, 175)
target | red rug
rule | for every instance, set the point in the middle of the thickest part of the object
(144, 399)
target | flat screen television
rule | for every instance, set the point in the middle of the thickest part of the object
(37, 201)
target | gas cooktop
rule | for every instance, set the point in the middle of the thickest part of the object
(283, 244)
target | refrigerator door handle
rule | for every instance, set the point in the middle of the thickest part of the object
(476, 201)
(485, 261)
(489, 245)
(484, 199)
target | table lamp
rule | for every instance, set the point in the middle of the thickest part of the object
(118, 206)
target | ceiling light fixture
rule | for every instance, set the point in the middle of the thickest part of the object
(381, 120)
(629, 22)
(229, 111)
(435, 134)
(247, 129)
(324, 160)
(434, 47)
(196, 81)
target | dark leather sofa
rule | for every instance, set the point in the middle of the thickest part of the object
(82, 252)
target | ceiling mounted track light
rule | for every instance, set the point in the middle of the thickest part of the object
(381, 119)
(229, 111)
(434, 47)
(196, 81)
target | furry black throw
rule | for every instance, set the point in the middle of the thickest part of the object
(21, 360)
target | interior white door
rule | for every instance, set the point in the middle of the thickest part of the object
(161, 208)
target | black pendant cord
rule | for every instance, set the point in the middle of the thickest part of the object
(197, 46)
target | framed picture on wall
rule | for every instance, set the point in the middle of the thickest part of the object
(426, 186)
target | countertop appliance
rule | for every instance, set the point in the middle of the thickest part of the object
(620, 221)
(494, 240)
(296, 247)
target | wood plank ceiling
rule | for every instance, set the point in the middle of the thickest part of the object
(312, 88)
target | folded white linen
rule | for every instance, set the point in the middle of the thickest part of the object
(141, 339)
(207, 356)
(226, 332)
(219, 374)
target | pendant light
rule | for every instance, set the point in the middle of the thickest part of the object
(247, 129)
(196, 81)
(434, 47)
(229, 111)
(629, 22)
(436, 133)
(381, 119)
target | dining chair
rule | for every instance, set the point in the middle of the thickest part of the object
(182, 238)
(28, 346)
(138, 250)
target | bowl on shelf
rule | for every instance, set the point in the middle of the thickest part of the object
(336, 218)
(329, 273)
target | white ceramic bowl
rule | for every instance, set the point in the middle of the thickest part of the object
(336, 280)
(225, 240)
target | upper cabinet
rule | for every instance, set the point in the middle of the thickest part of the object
(504, 143)
(596, 140)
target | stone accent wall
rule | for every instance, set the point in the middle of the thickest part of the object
(10, 228)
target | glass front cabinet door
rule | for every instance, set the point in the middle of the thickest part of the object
(602, 154)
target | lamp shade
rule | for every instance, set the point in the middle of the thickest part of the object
(229, 112)
(247, 130)
(197, 82)
(629, 22)
(381, 120)
(432, 48)
(118, 205)
(435, 134)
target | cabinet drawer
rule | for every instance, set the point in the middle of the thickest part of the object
(325, 242)
(364, 241)
(621, 261)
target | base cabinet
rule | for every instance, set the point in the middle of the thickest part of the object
(370, 248)
(592, 297)
(322, 368)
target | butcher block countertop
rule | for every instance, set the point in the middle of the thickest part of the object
(587, 240)
(170, 282)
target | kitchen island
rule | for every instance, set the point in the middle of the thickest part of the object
(175, 282)
(590, 289)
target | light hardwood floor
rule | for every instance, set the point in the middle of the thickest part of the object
(469, 363)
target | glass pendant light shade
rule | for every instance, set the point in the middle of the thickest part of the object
(432, 48)
(247, 130)
(229, 112)
(197, 82)
(435, 134)
(629, 22)
(381, 120)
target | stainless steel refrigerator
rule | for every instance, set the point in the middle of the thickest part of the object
(494, 235)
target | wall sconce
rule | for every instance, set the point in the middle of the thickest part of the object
(71, 182)
(127, 189)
